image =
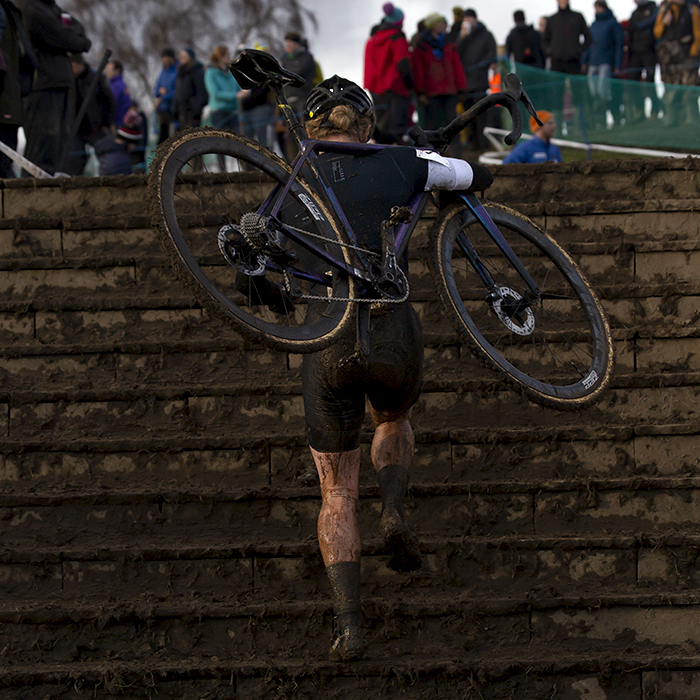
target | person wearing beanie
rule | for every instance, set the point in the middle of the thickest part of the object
(388, 76)
(114, 152)
(433, 20)
(393, 16)
(190, 95)
(438, 74)
(540, 148)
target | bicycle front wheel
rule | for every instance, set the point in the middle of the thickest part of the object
(557, 349)
(214, 198)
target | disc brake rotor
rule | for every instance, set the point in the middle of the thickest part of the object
(518, 319)
(238, 253)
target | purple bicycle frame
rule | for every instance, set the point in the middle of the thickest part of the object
(402, 231)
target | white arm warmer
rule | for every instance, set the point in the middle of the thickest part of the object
(446, 173)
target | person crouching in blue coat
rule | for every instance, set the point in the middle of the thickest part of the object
(114, 152)
(538, 149)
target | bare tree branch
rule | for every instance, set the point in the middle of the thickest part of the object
(136, 31)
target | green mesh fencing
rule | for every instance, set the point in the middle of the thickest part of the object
(623, 112)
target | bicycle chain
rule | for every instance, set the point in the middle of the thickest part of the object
(340, 243)
(313, 297)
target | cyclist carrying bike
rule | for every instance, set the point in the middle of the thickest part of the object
(531, 315)
(337, 380)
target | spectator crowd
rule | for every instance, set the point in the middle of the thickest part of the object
(446, 66)
(69, 109)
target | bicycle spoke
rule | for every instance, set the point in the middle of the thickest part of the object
(550, 344)
(214, 193)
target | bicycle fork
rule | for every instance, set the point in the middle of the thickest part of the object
(507, 304)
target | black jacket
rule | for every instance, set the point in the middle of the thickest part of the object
(302, 63)
(477, 51)
(523, 43)
(191, 95)
(19, 65)
(52, 41)
(562, 39)
(640, 28)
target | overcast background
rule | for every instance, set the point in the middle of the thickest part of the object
(344, 26)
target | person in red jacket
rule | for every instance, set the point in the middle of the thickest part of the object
(388, 76)
(437, 73)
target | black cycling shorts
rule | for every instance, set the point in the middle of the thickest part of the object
(336, 381)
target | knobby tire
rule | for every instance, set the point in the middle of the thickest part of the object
(560, 352)
(201, 183)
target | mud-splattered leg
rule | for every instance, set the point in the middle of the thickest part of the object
(392, 452)
(339, 540)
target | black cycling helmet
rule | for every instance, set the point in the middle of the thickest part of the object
(337, 91)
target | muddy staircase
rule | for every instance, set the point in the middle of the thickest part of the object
(158, 536)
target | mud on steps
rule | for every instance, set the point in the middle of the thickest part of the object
(156, 540)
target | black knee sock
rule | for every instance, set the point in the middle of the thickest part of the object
(393, 481)
(345, 582)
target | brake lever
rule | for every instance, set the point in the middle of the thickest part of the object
(525, 99)
(515, 91)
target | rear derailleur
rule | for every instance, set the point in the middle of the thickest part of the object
(253, 248)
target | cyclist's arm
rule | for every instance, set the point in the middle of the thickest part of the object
(454, 173)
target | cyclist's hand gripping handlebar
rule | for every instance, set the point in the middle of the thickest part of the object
(509, 98)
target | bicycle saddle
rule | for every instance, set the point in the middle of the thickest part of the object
(252, 68)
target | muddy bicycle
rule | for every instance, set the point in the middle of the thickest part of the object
(266, 245)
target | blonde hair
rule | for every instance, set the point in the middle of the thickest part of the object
(342, 119)
(218, 54)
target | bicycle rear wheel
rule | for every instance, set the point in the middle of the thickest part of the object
(558, 349)
(211, 195)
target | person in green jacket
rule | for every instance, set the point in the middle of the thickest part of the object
(223, 90)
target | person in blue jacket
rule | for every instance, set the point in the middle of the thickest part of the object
(603, 58)
(223, 90)
(540, 148)
(164, 92)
